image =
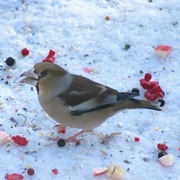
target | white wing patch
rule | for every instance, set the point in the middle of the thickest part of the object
(77, 92)
(103, 88)
(92, 104)
(85, 106)
(95, 102)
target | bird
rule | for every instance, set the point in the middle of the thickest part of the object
(78, 102)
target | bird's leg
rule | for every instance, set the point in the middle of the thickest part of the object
(73, 139)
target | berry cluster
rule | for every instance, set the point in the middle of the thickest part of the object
(50, 58)
(154, 90)
(20, 140)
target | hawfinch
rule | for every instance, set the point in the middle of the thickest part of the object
(76, 101)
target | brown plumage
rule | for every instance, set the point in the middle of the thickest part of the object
(76, 101)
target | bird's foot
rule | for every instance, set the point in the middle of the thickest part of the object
(73, 139)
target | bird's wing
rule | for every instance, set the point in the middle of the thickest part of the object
(85, 96)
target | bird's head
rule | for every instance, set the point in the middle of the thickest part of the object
(46, 77)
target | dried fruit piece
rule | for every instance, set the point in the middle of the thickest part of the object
(86, 69)
(94, 70)
(99, 171)
(120, 124)
(50, 58)
(4, 137)
(167, 160)
(163, 51)
(115, 172)
(14, 176)
(20, 140)
(55, 171)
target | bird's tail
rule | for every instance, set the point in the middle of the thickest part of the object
(145, 104)
(127, 101)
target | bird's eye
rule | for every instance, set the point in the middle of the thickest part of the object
(44, 73)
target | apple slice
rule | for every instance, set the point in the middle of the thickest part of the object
(99, 171)
(167, 160)
(115, 172)
(4, 137)
(163, 51)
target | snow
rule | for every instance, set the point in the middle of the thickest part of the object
(81, 37)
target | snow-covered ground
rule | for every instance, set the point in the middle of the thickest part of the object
(82, 38)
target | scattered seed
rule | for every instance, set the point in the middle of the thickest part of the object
(127, 162)
(161, 154)
(103, 152)
(10, 61)
(107, 18)
(145, 159)
(127, 47)
(61, 142)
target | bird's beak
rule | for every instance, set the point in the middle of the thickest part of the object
(30, 77)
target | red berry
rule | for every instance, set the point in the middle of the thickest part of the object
(154, 91)
(107, 18)
(178, 148)
(136, 139)
(55, 171)
(61, 130)
(147, 76)
(162, 147)
(25, 52)
(30, 171)
(145, 84)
